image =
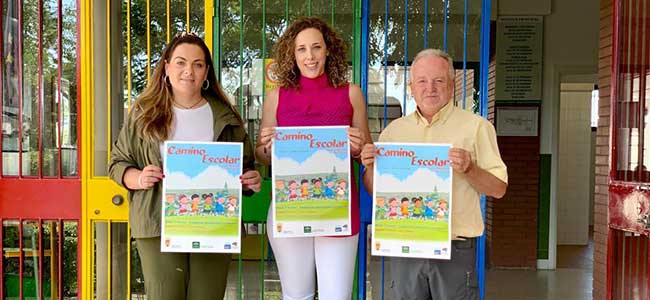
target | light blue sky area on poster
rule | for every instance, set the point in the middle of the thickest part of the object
(193, 165)
(401, 166)
(299, 149)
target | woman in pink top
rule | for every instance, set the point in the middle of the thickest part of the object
(312, 67)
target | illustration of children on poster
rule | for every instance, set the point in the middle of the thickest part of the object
(311, 172)
(202, 195)
(412, 200)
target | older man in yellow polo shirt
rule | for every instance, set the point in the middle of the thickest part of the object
(478, 169)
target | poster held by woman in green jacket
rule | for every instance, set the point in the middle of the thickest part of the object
(182, 102)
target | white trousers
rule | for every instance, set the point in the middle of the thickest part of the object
(333, 257)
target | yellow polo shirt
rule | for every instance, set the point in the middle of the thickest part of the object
(464, 130)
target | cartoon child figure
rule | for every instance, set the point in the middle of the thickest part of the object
(341, 187)
(170, 205)
(196, 200)
(280, 192)
(404, 208)
(304, 189)
(417, 207)
(381, 208)
(392, 210)
(183, 203)
(428, 210)
(293, 193)
(219, 206)
(232, 205)
(329, 188)
(441, 212)
(317, 190)
(207, 203)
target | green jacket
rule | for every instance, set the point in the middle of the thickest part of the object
(132, 151)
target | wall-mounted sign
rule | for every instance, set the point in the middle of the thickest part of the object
(519, 58)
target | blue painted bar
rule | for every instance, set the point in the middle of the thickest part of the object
(483, 105)
(426, 24)
(385, 60)
(364, 198)
(444, 16)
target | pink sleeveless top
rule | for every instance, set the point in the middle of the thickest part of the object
(317, 103)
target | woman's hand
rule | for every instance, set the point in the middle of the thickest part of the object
(368, 156)
(266, 138)
(149, 176)
(251, 180)
(356, 141)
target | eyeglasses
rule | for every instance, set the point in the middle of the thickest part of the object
(186, 33)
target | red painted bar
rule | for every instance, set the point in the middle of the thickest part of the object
(628, 260)
(59, 43)
(41, 255)
(19, 58)
(2, 238)
(614, 112)
(20, 257)
(60, 258)
(54, 201)
(40, 89)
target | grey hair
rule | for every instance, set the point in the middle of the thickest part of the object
(437, 53)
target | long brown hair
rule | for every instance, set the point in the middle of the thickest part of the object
(336, 65)
(153, 107)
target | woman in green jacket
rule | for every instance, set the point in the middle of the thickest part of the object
(182, 102)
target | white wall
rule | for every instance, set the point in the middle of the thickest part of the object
(574, 157)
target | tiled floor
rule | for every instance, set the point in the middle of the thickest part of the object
(572, 281)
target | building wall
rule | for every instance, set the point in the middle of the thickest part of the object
(602, 150)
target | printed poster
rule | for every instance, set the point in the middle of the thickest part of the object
(311, 181)
(201, 197)
(412, 200)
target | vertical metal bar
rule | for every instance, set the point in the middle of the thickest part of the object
(128, 262)
(356, 54)
(187, 14)
(217, 38)
(240, 291)
(93, 256)
(148, 26)
(635, 71)
(19, 58)
(128, 54)
(406, 52)
(2, 70)
(444, 16)
(483, 109)
(386, 61)
(78, 79)
(40, 258)
(241, 56)
(2, 222)
(363, 27)
(628, 40)
(168, 20)
(109, 255)
(262, 256)
(613, 104)
(309, 9)
(465, 55)
(20, 257)
(286, 13)
(642, 86)
(60, 256)
(59, 54)
(426, 24)
(39, 83)
(108, 86)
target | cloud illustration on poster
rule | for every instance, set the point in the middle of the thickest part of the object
(422, 180)
(320, 162)
(211, 177)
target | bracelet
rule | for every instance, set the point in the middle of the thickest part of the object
(140, 180)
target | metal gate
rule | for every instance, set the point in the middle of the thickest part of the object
(628, 266)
